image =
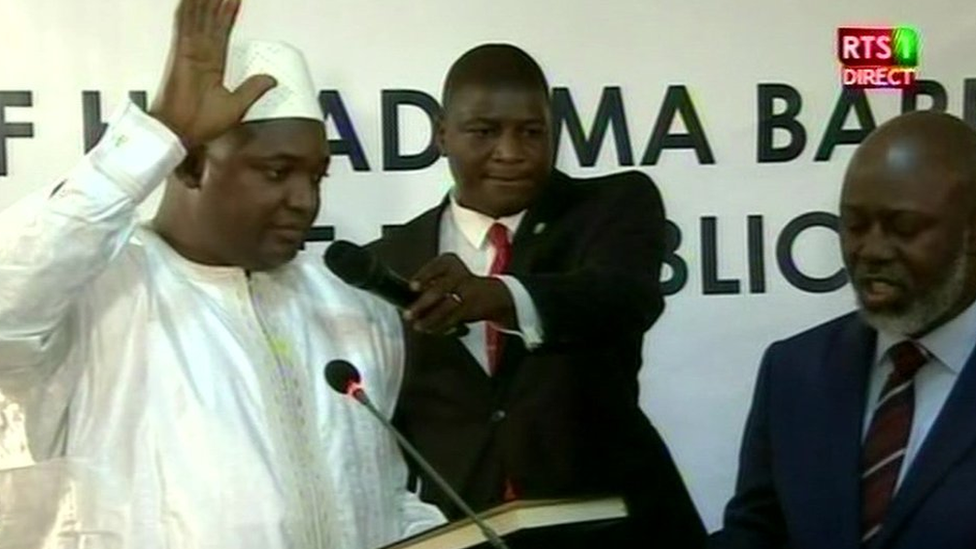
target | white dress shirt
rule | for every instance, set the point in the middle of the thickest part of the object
(949, 347)
(174, 405)
(464, 232)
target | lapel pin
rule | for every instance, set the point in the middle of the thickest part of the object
(539, 227)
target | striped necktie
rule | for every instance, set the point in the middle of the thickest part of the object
(887, 438)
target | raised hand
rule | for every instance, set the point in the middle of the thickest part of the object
(192, 100)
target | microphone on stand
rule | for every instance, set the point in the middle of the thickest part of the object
(344, 378)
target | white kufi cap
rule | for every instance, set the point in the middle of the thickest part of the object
(295, 95)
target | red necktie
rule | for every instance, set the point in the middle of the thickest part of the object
(887, 439)
(498, 237)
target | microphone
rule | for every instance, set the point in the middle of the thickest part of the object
(360, 268)
(344, 378)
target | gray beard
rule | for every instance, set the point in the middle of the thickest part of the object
(926, 308)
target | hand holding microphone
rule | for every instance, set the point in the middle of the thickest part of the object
(441, 297)
(450, 294)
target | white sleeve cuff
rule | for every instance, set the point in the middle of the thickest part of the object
(137, 152)
(529, 324)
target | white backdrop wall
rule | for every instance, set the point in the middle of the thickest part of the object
(702, 355)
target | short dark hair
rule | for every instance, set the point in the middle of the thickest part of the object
(494, 65)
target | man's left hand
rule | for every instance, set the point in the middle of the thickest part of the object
(450, 295)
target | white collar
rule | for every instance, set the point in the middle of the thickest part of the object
(192, 269)
(951, 343)
(474, 225)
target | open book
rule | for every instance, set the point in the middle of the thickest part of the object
(513, 517)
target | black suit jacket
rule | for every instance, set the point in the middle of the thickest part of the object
(562, 419)
(800, 468)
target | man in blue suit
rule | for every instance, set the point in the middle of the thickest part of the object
(862, 432)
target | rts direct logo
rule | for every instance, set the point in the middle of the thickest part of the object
(878, 57)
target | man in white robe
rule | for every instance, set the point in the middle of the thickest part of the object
(171, 374)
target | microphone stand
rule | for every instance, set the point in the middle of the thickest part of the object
(489, 533)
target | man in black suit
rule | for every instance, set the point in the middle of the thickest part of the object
(557, 279)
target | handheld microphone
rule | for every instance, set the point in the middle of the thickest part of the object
(360, 268)
(344, 378)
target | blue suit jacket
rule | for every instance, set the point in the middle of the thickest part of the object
(798, 484)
